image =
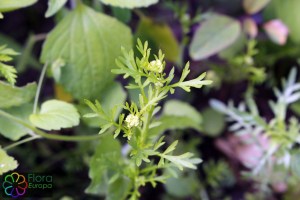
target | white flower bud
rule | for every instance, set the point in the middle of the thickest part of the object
(155, 66)
(132, 120)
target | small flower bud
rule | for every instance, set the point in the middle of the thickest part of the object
(132, 120)
(277, 31)
(155, 66)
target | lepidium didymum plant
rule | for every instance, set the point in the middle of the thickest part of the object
(144, 155)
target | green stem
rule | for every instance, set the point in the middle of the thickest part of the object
(147, 124)
(20, 142)
(38, 91)
(47, 135)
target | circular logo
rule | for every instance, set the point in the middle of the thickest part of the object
(15, 185)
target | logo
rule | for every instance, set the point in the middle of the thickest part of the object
(15, 185)
(26, 185)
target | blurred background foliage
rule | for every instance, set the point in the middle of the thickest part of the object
(246, 47)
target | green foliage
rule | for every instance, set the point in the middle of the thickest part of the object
(106, 167)
(214, 35)
(7, 163)
(11, 129)
(88, 42)
(295, 160)
(54, 6)
(246, 120)
(242, 66)
(253, 6)
(154, 85)
(108, 102)
(213, 122)
(218, 173)
(15, 96)
(130, 3)
(159, 36)
(9, 5)
(55, 115)
(9, 72)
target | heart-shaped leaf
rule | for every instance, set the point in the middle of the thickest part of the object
(55, 115)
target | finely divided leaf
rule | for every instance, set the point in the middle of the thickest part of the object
(55, 115)
(88, 42)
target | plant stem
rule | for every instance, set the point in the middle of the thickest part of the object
(38, 91)
(20, 142)
(147, 124)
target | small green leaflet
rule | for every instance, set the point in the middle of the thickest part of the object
(55, 115)
(54, 6)
(9, 5)
(9, 72)
(130, 3)
(15, 96)
(88, 42)
(7, 163)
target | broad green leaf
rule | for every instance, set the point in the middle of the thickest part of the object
(113, 95)
(89, 42)
(106, 162)
(174, 123)
(118, 189)
(159, 36)
(122, 14)
(55, 115)
(254, 6)
(12, 130)
(15, 96)
(8, 5)
(237, 47)
(54, 6)
(187, 185)
(182, 109)
(130, 3)
(7, 163)
(213, 122)
(288, 12)
(214, 35)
